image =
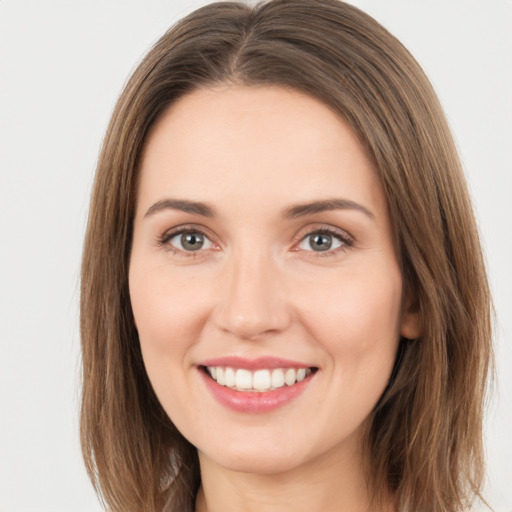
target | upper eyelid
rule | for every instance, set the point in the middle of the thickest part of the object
(163, 241)
(186, 228)
(165, 238)
(324, 228)
(347, 240)
(298, 237)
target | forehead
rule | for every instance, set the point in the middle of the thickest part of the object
(233, 142)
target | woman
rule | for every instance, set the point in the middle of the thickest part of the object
(284, 302)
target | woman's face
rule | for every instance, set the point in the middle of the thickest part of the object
(264, 280)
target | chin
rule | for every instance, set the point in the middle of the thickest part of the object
(257, 461)
(275, 452)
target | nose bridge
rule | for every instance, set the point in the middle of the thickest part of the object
(252, 299)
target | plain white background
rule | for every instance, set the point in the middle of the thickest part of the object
(63, 63)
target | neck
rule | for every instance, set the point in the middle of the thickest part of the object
(318, 485)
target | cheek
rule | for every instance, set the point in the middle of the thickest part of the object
(357, 324)
(169, 316)
(169, 321)
(166, 311)
(359, 319)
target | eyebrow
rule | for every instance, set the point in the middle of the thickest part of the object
(301, 210)
(293, 212)
(183, 205)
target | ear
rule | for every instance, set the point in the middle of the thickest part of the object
(410, 325)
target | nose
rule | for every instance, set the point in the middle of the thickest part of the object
(252, 301)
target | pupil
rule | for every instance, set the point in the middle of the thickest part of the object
(321, 242)
(192, 241)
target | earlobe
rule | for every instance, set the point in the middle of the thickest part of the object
(410, 325)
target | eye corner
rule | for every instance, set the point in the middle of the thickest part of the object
(174, 240)
(341, 240)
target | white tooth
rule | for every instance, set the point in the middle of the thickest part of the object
(301, 374)
(277, 380)
(212, 370)
(261, 380)
(220, 376)
(243, 379)
(290, 376)
(229, 376)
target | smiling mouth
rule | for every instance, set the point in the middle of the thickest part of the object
(259, 381)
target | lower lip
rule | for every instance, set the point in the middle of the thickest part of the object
(254, 402)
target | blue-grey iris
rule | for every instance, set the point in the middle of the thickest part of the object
(192, 241)
(320, 242)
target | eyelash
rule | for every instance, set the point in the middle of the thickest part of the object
(346, 241)
(164, 240)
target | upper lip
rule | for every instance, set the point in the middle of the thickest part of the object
(254, 364)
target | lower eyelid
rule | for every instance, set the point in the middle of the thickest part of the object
(167, 237)
(344, 239)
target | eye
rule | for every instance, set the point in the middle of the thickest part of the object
(188, 241)
(323, 241)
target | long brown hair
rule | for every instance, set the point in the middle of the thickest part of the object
(425, 439)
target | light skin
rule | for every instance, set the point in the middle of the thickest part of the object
(288, 253)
